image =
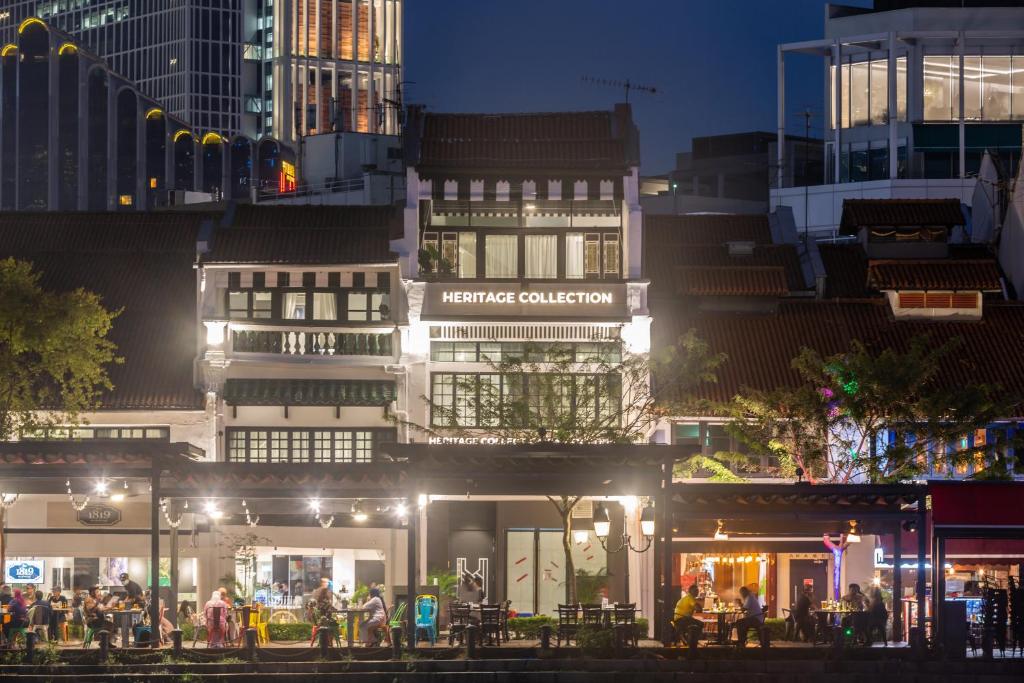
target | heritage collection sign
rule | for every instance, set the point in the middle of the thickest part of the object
(99, 515)
(525, 300)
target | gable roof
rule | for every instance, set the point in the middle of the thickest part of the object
(563, 140)
(663, 230)
(306, 235)
(867, 213)
(957, 275)
(846, 267)
(732, 281)
(761, 345)
(140, 263)
(308, 392)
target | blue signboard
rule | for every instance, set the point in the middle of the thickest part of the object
(24, 571)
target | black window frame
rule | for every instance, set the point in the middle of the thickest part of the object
(378, 435)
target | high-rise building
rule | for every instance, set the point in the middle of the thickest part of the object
(249, 67)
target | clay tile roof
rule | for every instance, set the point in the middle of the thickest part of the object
(858, 213)
(958, 275)
(306, 235)
(662, 231)
(141, 263)
(846, 268)
(545, 140)
(761, 346)
(732, 281)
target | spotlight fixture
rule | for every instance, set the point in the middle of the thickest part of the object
(101, 488)
(117, 498)
(314, 505)
(211, 510)
(853, 536)
(358, 514)
(720, 534)
(401, 510)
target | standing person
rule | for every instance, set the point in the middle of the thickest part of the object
(58, 615)
(133, 590)
(232, 625)
(378, 616)
(682, 617)
(878, 615)
(216, 625)
(855, 599)
(753, 615)
(803, 620)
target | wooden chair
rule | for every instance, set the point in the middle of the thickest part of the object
(625, 614)
(568, 624)
(593, 615)
(505, 607)
(458, 621)
(490, 623)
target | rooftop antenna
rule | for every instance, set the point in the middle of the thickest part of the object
(626, 85)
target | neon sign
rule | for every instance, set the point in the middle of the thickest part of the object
(286, 181)
(557, 297)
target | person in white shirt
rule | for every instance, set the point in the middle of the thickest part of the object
(376, 617)
(753, 615)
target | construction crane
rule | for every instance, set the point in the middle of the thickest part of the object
(626, 85)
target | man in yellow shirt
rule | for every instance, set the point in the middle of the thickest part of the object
(682, 618)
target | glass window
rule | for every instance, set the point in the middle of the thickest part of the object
(442, 395)
(844, 106)
(901, 88)
(541, 256)
(343, 447)
(236, 446)
(261, 304)
(592, 255)
(972, 88)
(294, 306)
(879, 92)
(467, 255)
(357, 302)
(278, 446)
(941, 88)
(238, 304)
(501, 256)
(859, 113)
(325, 306)
(258, 446)
(364, 446)
(449, 250)
(611, 254)
(574, 255)
(1017, 87)
(996, 89)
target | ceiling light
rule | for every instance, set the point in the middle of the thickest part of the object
(314, 505)
(358, 514)
(852, 536)
(117, 497)
(581, 536)
(212, 511)
(401, 510)
(101, 488)
(720, 534)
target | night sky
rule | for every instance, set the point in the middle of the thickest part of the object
(712, 60)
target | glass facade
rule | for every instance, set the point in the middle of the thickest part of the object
(317, 444)
(993, 87)
(865, 92)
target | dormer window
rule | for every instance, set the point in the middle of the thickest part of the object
(938, 304)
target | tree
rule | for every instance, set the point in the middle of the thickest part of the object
(54, 353)
(242, 550)
(874, 415)
(579, 394)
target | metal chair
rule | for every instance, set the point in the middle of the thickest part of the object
(625, 614)
(426, 617)
(568, 624)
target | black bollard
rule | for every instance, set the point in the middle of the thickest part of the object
(471, 641)
(617, 638)
(545, 637)
(30, 646)
(324, 634)
(176, 642)
(104, 637)
(766, 638)
(250, 644)
(837, 641)
(396, 642)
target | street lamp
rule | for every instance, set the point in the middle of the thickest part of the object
(602, 527)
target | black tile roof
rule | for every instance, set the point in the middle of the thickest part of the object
(308, 392)
(140, 264)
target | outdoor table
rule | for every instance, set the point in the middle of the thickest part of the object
(125, 619)
(720, 615)
(608, 612)
(350, 615)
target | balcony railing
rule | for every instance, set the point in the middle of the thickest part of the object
(309, 343)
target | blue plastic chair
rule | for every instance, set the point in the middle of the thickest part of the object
(426, 617)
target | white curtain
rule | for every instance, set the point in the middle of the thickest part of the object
(541, 256)
(295, 305)
(501, 256)
(325, 306)
(467, 254)
(574, 255)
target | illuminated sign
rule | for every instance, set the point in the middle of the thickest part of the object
(24, 571)
(470, 440)
(497, 300)
(99, 515)
(286, 181)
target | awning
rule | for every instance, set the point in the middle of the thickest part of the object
(308, 392)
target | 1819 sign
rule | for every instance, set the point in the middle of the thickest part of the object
(99, 515)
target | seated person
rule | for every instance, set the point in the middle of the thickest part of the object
(803, 620)
(94, 612)
(682, 618)
(19, 614)
(39, 615)
(753, 615)
(58, 603)
(855, 599)
(377, 617)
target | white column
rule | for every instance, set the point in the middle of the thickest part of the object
(960, 122)
(837, 61)
(893, 113)
(781, 118)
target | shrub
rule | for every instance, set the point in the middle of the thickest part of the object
(300, 630)
(641, 627)
(776, 628)
(188, 631)
(529, 627)
(76, 631)
(595, 641)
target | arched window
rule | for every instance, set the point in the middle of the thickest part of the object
(97, 140)
(67, 126)
(33, 115)
(127, 148)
